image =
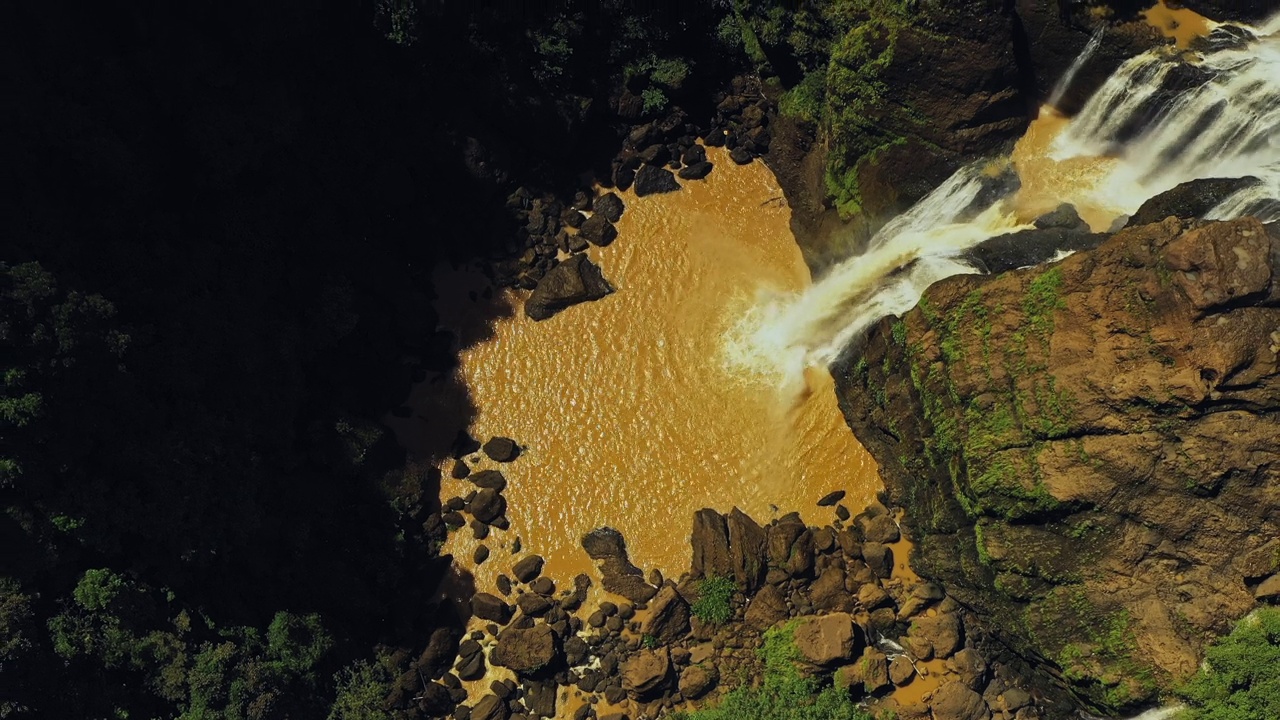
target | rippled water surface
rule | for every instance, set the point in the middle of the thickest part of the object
(629, 412)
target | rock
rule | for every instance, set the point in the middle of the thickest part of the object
(1248, 11)
(741, 156)
(610, 206)
(1269, 589)
(1064, 217)
(919, 647)
(1031, 247)
(488, 505)
(694, 155)
(696, 171)
(540, 699)
(501, 449)
(781, 537)
(954, 701)
(901, 671)
(800, 561)
(827, 639)
(874, 670)
(598, 231)
(603, 543)
(460, 470)
(527, 568)
(871, 596)
(710, 543)
(697, 680)
(441, 648)
(1015, 699)
(651, 180)
(489, 479)
(480, 555)
(942, 631)
(646, 673)
(490, 607)
(970, 667)
(525, 650)
(880, 529)
(533, 605)
(668, 619)
(1189, 200)
(828, 593)
(631, 587)
(490, 707)
(576, 650)
(503, 584)
(471, 667)
(766, 608)
(575, 280)
(879, 558)
(543, 586)
(746, 548)
(831, 498)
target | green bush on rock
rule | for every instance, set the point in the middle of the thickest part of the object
(712, 605)
(1240, 677)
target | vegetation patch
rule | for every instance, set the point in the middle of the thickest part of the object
(1240, 677)
(713, 603)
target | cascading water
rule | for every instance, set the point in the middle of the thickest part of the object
(1163, 118)
(1064, 83)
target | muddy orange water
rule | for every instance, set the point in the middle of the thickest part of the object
(625, 407)
(1181, 24)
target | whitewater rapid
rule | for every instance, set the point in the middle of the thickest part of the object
(1164, 117)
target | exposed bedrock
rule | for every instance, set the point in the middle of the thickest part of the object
(1087, 451)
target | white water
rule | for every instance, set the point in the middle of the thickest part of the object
(1226, 123)
(1064, 83)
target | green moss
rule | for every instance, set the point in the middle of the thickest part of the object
(1240, 677)
(713, 603)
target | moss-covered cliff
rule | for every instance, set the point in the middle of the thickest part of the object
(1087, 449)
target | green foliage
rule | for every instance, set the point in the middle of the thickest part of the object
(362, 690)
(654, 99)
(804, 101)
(714, 596)
(1240, 678)
(784, 693)
(15, 620)
(649, 641)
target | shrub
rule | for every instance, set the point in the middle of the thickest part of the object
(1240, 677)
(712, 605)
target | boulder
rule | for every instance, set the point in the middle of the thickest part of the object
(741, 156)
(533, 605)
(710, 543)
(969, 666)
(576, 650)
(575, 280)
(631, 587)
(480, 555)
(1031, 247)
(610, 206)
(827, 639)
(598, 231)
(645, 674)
(603, 543)
(668, 619)
(879, 558)
(491, 479)
(901, 671)
(943, 632)
(880, 529)
(1064, 217)
(490, 707)
(501, 449)
(873, 668)
(491, 608)
(471, 667)
(800, 561)
(828, 592)
(746, 550)
(697, 680)
(766, 608)
(780, 538)
(954, 701)
(488, 505)
(441, 648)
(525, 650)
(872, 597)
(527, 568)
(1269, 589)
(831, 498)
(1189, 200)
(696, 171)
(540, 698)
(651, 180)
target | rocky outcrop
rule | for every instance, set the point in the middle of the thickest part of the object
(573, 281)
(1086, 451)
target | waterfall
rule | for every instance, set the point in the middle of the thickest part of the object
(1163, 118)
(1064, 83)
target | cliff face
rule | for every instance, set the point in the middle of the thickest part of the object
(1087, 451)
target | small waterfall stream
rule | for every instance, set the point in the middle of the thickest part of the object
(1165, 117)
(1064, 83)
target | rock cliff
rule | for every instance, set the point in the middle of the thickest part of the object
(1087, 450)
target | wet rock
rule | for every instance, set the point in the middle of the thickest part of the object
(543, 586)
(525, 650)
(766, 608)
(480, 555)
(488, 505)
(527, 568)
(881, 622)
(710, 543)
(533, 605)
(610, 206)
(603, 543)
(598, 231)
(1064, 217)
(1031, 247)
(651, 180)
(489, 479)
(1268, 590)
(741, 156)
(800, 560)
(874, 670)
(849, 543)
(490, 707)
(501, 449)
(828, 593)
(879, 558)
(668, 619)
(954, 701)
(460, 470)
(631, 587)
(871, 596)
(746, 547)
(697, 680)
(943, 632)
(574, 280)
(479, 530)
(919, 647)
(969, 666)
(831, 498)
(503, 584)
(490, 607)
(540, 699)
(646, 673)
(1189, 200)
(901, 671)
(696, 171)
(880, 529)
(471, 667)
(827, 639)
(441, 648)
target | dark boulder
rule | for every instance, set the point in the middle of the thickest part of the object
(603, 543)
(598, 231)
(831, 498)
(528, 568)
(746, 549)
(766, 608)
(501, 449)
(491, 479)
(610, 206)
(490, 707)
(695, 171)
(490, 607)
(1064, 217)
(573, 281)
(710, 543)
(693, 155)
(651, 180)
(645, 674)
(488, 505)
(1189, 200)
(525, 650)
(533, 605)
(741, 156)
(1247, 11)
(1030, 247)
(668, 619)
(631, 587)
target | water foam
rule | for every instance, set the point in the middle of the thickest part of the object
(1166, 117)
